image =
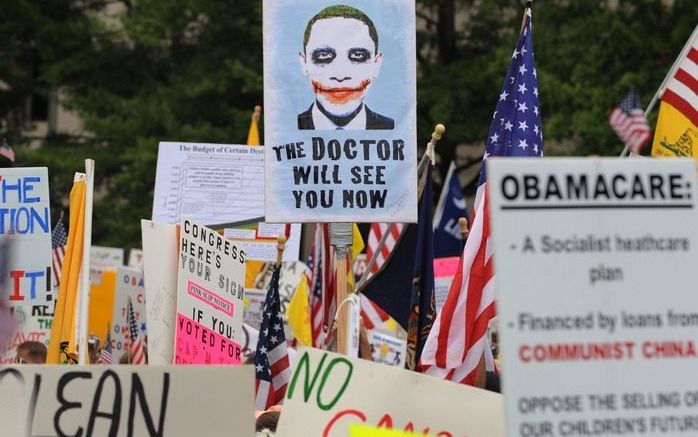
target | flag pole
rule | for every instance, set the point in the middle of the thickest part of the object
(280, 246)
(84, 287)
(463, 228)
(660, 91)
(436, 135)
(341, 237)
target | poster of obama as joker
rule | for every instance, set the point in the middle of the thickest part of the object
(340, 111)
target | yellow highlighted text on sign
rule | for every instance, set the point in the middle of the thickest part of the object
(357, 430)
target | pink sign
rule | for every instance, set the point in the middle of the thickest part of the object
(196, 344)
(210, 298)
(445, 267)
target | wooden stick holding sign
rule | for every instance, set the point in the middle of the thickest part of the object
(341, 237)
(280, 246)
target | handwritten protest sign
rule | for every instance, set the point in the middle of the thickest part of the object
(596, 279)
(32, 323)
(126, 401)
(340, 108)
(210, 297)
(129, 286)
(135, 258)
(372, 431)
(209, 183)
(25, 221)
(102, 257)
(331, 392)
(160, 250)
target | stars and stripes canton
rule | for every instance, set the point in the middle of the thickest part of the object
(271, 361)
(137, 351)
(59, 238)
(629, 121)
(681, 90)
(7, 152)
(105, 355)
(315, 281)
(374, 237)
(458, 340)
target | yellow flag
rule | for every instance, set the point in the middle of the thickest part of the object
(253, 133)
(675, 135)
(298, 314)
(63, 328)
(358, 242)
(102, 304)
(357, 430)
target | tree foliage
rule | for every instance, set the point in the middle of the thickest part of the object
(191, 70)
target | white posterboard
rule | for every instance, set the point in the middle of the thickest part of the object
(129, 285)
(208, 183)
(596, 265)
(135, 258)
(126, 401)
(340, 111)
(160, 256)
(32, 323)
(210, 291)
(102, 257)
(25, 228)
(330, 392)
(259, 240)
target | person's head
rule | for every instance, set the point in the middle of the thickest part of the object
(268, 421)
(340, 57)
(31, 352)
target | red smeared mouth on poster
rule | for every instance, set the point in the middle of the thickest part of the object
(341, 95)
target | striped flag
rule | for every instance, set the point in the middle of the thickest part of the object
(136, 351)
(105, 355)
(629, 121)
(458, 340)
(272, 366)
(7, 152)
(315, 280)
(59, 238)
(374, 237)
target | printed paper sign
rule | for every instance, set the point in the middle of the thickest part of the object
(126, 401)
(387, 349)
(32, 323)
(160, 249)
(340, 109)
(444, 272)
(129, 285)
(208, 183)
(331, 392)
(106, 257)
(210, 297)
(258, 240)
(25, 226)
(596, 278)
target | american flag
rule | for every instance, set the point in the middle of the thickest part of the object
(136, 351)
(374, 237)
(59, 238)
(315, 280)
(457, 341)
(105, 355)
(6, 151)
(271, 361)
(629, 121)
(682, 89)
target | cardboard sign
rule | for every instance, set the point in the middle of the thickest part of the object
(129, 285)
(102, 257)
(31, 323)
(25, 222)
(258, 240)
(208, 183)
(210, 297)
(126, 401)
(331, 392)
(135, 258)
(160, 249)
(596, 277)
(444, 272)
(340, 111)
(387, 349)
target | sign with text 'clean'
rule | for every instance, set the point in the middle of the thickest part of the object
(126, 401)
(332, 392)
(597, 269)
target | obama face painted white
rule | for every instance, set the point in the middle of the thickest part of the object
(341, 61)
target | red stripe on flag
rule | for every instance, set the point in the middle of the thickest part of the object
(693, 55)
(681, 105)
(685, 78)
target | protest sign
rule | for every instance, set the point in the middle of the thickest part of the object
(356, 430)
(208, 183)
(160, 250)
(126, 401)
(340, 109)
(596, 277)
(102, 257)
(444, 272)
(129, 286)
(210, 291)
(331, 392)
(387, 349)
(31, 323)
(102, 291)
(258, 240)
(135, 258)
(289, 277)
(25, 222)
